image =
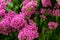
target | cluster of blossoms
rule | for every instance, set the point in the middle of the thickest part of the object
(50, 9)
(29, 32)
(46, 3)
(29, 7)
(3, 4)
(4, 22)
(11, 21)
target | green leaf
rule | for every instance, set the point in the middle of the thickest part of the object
(20, 5)
(7, 9)
(10, 5)
(16, 8)
(15, 1)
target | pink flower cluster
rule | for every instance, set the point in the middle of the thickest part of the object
(46, 3)
(50, 9)
(5, 27)
(29, 7)
(4, 21)
(29, 32)
(3, 4)
(58, 2)
(52, 25)
(56, 12)
(11, 21)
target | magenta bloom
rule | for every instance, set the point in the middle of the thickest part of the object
(25, 2)
(42, 11)
(2, 5)
(17, 22)
(5, 26)
(1, 1)
(58, 2)
(29, 32)
(30, 8)
(2, 12)
(31, 27)
(46, 3)
(26, 34)
(56, 12)
(52, 25)
(22, 14)
(10, 14)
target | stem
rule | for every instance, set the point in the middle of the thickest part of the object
(41, 20)
(47, 36)
(56, 18)
(43, 34)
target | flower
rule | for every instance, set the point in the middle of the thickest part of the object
(46, 3)
(58, 1)
(29, 32)
(25, 2)
(26, 34)
(2, 12)
(52, 25)
(10, 14)
(2, 5)
(56, 12)
(1, 1)
(5, 26)
(29, 9)
(18, 22)
(42, 11)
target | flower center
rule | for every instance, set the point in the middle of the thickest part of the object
(28, 10)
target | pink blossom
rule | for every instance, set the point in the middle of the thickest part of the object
(2, 12)
(25, 2)
(10, 14)
(42, 11)
(56, 12)
(27, 34)
(1, 1)
(29, 9)
(5, 26)
(18, 22)
(58, 1)
(52, 25)
(2, 5)
(46, 3)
